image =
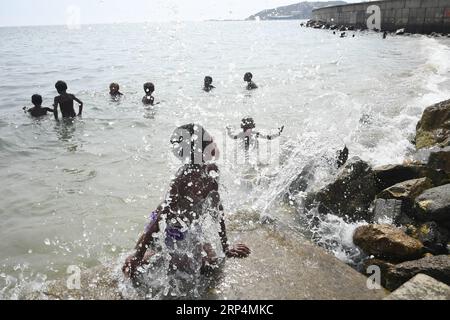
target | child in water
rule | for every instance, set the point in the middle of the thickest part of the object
(37, 111)
(193, 194)
(248, 134)
(208, 84)
(250, 84)
(114, 90)
(148, 99)
(65, 102)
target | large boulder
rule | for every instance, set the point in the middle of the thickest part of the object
(350, 195)
(440, 159)
(434, 205)
(389, 175)
(437, 267)
(434, 127)
(387, 242)
(421, 287)
(407, 190)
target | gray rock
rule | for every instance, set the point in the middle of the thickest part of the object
(390, 211)
(437, 267)
(387, 242)
(350, 195)
(434, 127)
(434, 205)
(421, 287)
(440, 159)
(421, 156)
(407, 190)
(387, 176)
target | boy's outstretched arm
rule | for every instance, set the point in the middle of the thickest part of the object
(271, 137)
(80, 111)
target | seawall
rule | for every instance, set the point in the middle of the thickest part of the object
(416, 16)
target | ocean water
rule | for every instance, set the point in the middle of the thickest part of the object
(79, 193)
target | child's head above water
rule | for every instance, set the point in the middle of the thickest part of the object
(61, 87)
(248, 77)
(149, 88)
(114, 88)
(208, 80)
(248, 123)
(36, 100)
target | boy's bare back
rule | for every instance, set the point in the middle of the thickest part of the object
(65, 102)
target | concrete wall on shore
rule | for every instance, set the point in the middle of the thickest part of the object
(416, 16)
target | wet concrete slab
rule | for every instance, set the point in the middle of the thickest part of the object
(287, 267)
(282, 266)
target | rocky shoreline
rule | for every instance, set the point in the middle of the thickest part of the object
(344, 28)
(406, 207)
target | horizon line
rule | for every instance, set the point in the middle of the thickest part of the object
(121, 22)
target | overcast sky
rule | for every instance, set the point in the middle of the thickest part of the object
(49, 12)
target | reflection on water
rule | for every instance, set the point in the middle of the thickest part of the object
(150, 113)
(66, 132)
